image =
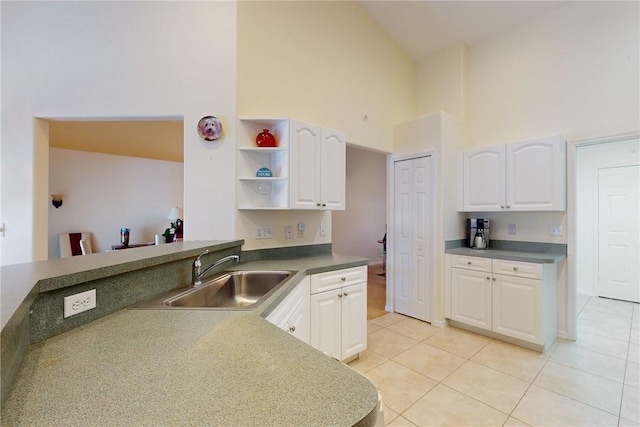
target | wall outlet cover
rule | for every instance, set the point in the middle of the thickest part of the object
(288, 232)
(78, 303)
(512, 229)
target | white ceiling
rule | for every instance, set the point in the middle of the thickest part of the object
(423, 27)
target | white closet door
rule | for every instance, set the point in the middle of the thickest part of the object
(618, 231)
(413, 258)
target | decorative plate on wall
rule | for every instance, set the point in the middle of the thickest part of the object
(209, 128)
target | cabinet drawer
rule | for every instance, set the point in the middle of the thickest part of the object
(471, 263)
(518, 269)
(338, 278)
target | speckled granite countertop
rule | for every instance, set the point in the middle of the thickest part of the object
(191, 367)
(534, 257)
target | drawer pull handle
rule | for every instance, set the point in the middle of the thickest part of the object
(292, 329)
(515, 268)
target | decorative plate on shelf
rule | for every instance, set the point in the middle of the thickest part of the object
(209, 128)
(264, 173)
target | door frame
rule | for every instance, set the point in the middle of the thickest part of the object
(390, 290)
(572, 221)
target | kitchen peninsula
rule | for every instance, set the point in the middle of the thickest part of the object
(182, 367)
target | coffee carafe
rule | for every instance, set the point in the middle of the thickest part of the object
(479, 241)
(477, 233)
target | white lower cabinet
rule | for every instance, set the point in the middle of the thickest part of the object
(510, 298)
(471, 297)
(517, 307)
(339, 312)
(293, 314)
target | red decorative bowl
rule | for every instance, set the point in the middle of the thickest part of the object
(266, 139)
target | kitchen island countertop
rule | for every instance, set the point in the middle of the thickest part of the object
(191, 367)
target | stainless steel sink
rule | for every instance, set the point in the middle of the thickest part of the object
(229, 290)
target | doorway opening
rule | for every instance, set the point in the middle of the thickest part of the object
(358, 229)
(114, 174)
(607, 210)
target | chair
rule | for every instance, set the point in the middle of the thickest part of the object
(72, 244)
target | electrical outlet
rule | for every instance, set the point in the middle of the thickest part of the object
(301, 229)
(323, 230)
(512, 229)
(288, 232)
(78, 303)
(555, 230)
(263, 233)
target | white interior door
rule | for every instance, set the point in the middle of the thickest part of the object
(412, 274)
(618, 233)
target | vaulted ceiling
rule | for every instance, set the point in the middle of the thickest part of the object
(424, 27)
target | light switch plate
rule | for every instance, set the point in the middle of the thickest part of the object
(512, 229)
(555, 230)
(323, 230)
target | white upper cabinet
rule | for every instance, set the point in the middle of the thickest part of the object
(308, 166)
(333, 169)
(318, 163)
(484, 179)
(519, 176)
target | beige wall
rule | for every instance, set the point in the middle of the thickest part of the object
(326, 63)
(442, 82)
(572, 72)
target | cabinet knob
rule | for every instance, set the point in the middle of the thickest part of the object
(508, 207)
(339, 295)
(324, 204)
(318, 204)
(501, 206)
(515, 268)
(494, 279)
(345, 294)
(488, 278)
(292, 328)
(468, 262)
(343, 279)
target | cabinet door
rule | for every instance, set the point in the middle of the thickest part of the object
(326, 324)
(293, 313)
(305, 152)
(517, 308)
(471, 297)
(354, 320)
(333, 170)
(536, 175)
(298, 323)
(484, 179)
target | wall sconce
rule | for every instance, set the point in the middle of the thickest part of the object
(56, 200)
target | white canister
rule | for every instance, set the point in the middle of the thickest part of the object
(159, 239)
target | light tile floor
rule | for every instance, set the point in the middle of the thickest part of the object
(429, 376)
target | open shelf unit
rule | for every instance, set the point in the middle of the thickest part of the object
(263, 192)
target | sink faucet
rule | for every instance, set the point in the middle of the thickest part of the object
(197, 273)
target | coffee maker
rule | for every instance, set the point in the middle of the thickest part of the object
(478, 233)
